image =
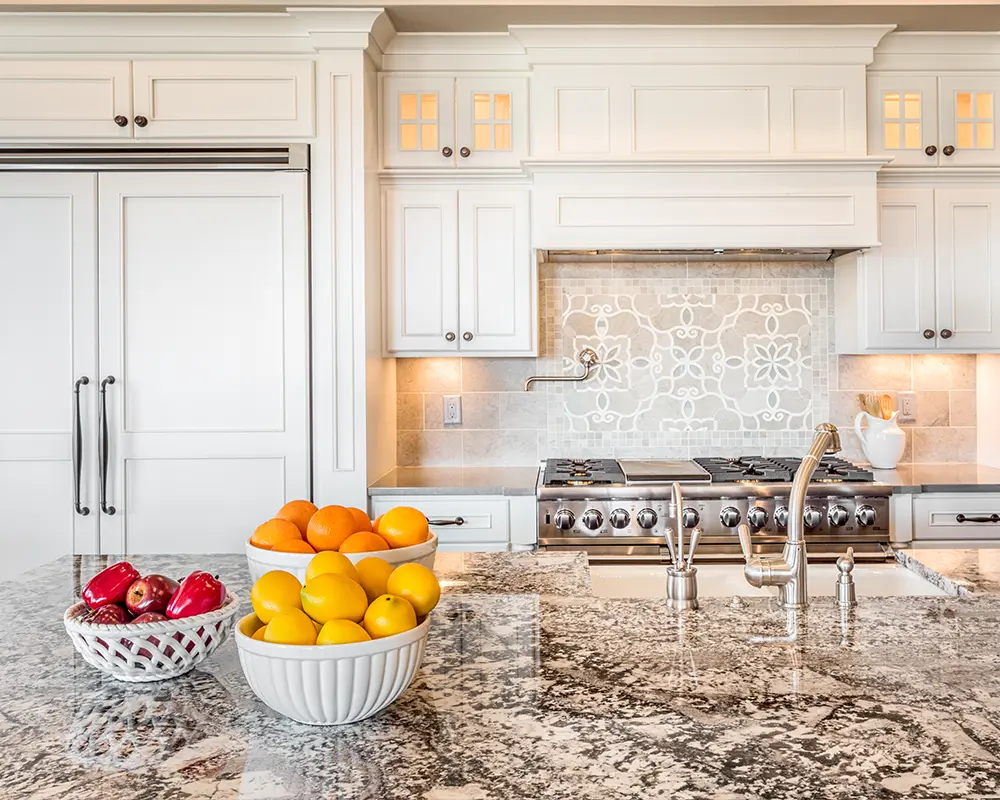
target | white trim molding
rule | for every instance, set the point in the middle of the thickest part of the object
(937, 52)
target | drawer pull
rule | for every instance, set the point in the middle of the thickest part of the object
(994, 518)
(460, 521)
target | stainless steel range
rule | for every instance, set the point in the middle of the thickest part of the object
(621, 511)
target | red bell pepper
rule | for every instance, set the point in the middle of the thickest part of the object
(110, 585)
(200, 593)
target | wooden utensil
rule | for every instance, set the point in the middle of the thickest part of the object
(885, 406)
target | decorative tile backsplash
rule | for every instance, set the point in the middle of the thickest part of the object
(698, 359)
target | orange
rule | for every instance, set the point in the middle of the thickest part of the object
(331, 596)
(332, 561)
(363, 542)
(389, 615)
(259, 633)
(375, 523)
(361, 521)
(293, 546)
(274, 592)
(329, 527)
(298, 512)
(374, 573)
(403, 527)
(291, 627)
(342, 631)
(273, 532)
(416, 583)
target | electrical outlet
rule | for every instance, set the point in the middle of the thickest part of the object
(453, 410)
(907, 407)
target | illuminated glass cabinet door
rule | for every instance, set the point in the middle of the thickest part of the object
(418, 122)
(903, 120)
(492, 118)
(969, 121)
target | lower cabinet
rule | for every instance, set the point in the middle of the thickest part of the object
(957, 520)
(472, 523)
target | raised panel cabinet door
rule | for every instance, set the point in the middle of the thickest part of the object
(492, 117)
(496, 286)
(899, 292)
(968, 269)
(969, 121)
(903, 120)
(230, 99)
(204, 330)
(421, 266)
(65, 100)
(48, 343)
(418, 121)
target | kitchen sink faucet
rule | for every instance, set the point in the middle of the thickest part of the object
(788, 571)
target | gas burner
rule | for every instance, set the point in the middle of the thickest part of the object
(582, 472)
(761, 469)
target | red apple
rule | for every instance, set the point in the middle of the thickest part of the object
(149, 616)
(108, 614)
(150, 594)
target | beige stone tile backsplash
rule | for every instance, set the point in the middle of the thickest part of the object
(698, 359)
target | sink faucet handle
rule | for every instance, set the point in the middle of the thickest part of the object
(743, 531)
(846, 562)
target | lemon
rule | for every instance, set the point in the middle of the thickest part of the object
(415, 583)
(331, 561)
(259, 633)
(273, 592)
(389, 615)
(331, 596)
(374, 572)
(290, 627)
(342, 631)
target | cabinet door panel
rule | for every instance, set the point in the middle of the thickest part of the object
(903, 119)
(421, 270)
(968, 268)
(213, 99)
(495, 271)
(969, 120)
(418, 121)
(492, 116)
(65, 99)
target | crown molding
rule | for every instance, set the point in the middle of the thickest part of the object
(937, 52)
(703, 165)
(456, 52)
(942, 177)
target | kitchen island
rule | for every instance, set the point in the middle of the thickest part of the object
(533, 691)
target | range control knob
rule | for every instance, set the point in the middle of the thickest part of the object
(619, 518)
(757, 517)
(646, 518)
(812, 517)
(730, 517)
(592, 519)
(690, 517)
(564, 519)
(781, 516)
(839, 516)
(865, 516)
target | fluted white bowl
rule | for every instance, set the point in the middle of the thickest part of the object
(330, 684)
(260, 561)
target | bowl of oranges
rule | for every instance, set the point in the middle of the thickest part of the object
(341, 645)
(300, 530)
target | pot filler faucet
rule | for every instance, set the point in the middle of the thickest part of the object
(788, 571)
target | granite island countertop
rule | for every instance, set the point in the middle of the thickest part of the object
(527, 695)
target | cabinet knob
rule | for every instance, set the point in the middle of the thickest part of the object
(465, 152)
(121, 121)
(141, 121)
(948, 149)
(447, 152)
(467, 336)
(928, 334)
(946, 334)
(931, 149)
(449, 336)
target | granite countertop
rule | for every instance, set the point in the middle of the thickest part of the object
(528, 695)
(457, 480)
(963, 572)
(915, 478)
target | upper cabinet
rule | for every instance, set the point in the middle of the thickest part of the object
(928, 121)
(125, 100)
(448, 122)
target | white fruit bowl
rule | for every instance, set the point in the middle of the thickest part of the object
(150, 651)
(260, 561)
(330, 684)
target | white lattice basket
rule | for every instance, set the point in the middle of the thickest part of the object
(150, 651)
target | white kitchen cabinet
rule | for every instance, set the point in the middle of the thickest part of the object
(923, 120)
(125, 100)
(469, 122)
(956, 520)
(459, 272)
(931, 286)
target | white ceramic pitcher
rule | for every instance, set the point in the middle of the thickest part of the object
(883, 441)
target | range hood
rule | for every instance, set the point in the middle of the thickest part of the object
(718, 254)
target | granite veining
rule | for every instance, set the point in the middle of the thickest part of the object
(534, 696)
(514, 573)
(457, 480)
(965, 572)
